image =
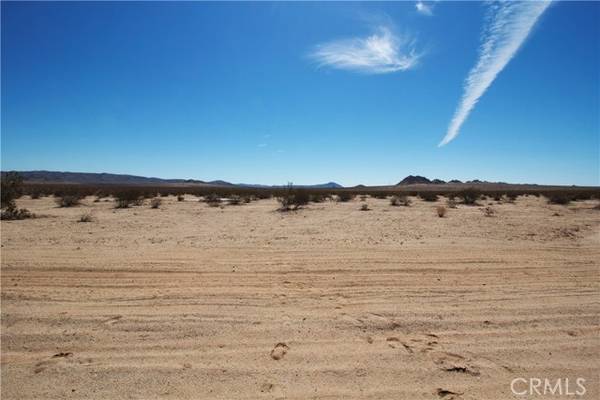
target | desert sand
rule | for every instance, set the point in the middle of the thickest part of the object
(330, 302)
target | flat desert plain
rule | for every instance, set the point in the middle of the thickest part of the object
(244, 302)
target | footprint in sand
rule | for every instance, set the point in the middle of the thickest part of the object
(266, 387)
(450, 362)
(42, 365)
(113, 320)
(447, 394)
(279, 351)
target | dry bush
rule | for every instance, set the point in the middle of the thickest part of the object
(363, 197)
(234, 200)
(428, 196)
(11, 188)
(394, 201)
(68, 200)
(13, 213)
(128, 198)
(213, 200)
(292, 199)
(180, 197)
(441, 211)
(87, 217)
(155, 202)
(344, 197)
(489, 212)
(451, 203)
(469, 196)
(317, 197)
(364, 207)
(511, 197)
(561, 199)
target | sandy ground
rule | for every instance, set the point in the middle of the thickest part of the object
(192, 302)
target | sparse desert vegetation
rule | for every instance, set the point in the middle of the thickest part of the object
(86, 217)
(68, 200)
(441, 211)
(155, 202)
(175, 267)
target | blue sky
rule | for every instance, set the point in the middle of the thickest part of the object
(302, 92)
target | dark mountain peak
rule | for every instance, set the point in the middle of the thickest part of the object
(219, 182)
(329, 185)
(454, 181)
(438, 182)
(414, 180)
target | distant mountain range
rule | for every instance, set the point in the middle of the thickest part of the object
(121, 179)
(92, 178)
(421, 180)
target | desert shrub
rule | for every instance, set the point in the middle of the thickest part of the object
(234, 200)
(511, 197)
(317, 197)
(364, 207)
(155, 202)
(469, 196)
(451, 202)
(68, 200)
(247, 199)
(380, 195)
(11, 188)
(441, 211)
(36, 194)
(363, 197)
(344, 197)
(497, 197)
(559, 198)
(405, 201)
(292, 199)
(428, 196)
(212, 199)
(489, 211)
(394, 201)
(87, 217)
(128, 198)
(180, 197)
(13, 213)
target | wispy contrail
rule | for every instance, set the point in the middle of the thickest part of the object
(507, 26)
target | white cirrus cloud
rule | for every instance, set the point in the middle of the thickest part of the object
(424, 8)
(507, 26)
(380, 53)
